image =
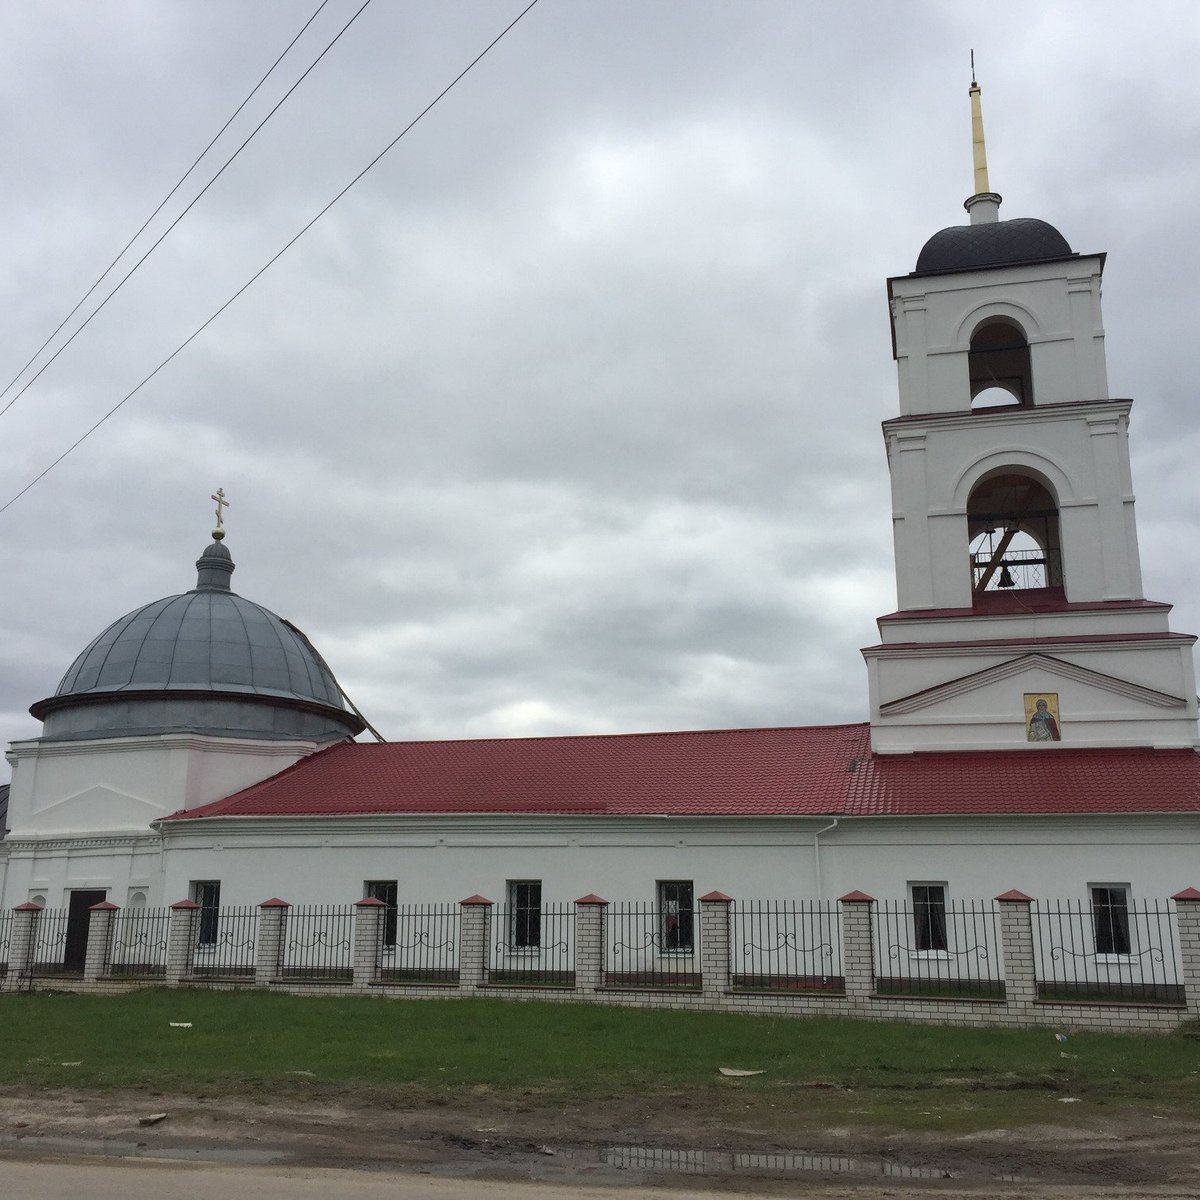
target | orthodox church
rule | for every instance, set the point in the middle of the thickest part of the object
(1033, 718)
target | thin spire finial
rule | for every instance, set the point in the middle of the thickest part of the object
(978, 149)
(219, 496)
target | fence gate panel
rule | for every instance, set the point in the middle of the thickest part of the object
(786, 945)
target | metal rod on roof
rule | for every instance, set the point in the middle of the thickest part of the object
(337, 683)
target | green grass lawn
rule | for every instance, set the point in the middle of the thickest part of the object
(402, 1051)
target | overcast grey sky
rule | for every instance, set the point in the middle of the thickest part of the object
(566, 418)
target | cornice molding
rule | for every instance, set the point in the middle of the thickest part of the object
(45, 748)
(1066, 644)
(124, 841)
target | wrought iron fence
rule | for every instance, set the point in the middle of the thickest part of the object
(937, 948)
(49, 950)
(786, 945)
(318, 944)
(224, 942)
(139, 945)
(648, 945)
(1117, 950)
(418, 943)
(6, 921)
(532, 945)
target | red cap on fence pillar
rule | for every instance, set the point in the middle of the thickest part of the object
(857, 898)
(476, 899)
(28, 906)
(274, 902)
(591, 898)
(105, 906)
(1015, 897)
(369, 902)
(717, 898)
(185, 904)
(1187, 894)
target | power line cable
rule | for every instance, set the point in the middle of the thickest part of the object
(161, 205)
(279, 254)
(191, 204)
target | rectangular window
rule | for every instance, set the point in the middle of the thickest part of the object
(386, 891)
(929, 915)
(524, 914)
(207, 894)
(1110, 917)
(676, 911)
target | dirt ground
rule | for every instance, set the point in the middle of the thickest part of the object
(681, 1144)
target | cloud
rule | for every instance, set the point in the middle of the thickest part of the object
(567, 417)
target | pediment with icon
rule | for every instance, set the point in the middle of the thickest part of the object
(1049, 697)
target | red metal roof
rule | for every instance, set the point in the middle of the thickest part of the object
(826, 770)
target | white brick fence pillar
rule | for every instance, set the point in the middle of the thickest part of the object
(858, 950)
(1187, 922)
(475, 924)
(714, 943)
(101, 921)
(22, 939)
(591, 913)
(181, 941)
(272, 930)
(1016, 937)
(369, 918)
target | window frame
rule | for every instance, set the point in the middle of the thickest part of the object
(207, 894)
(524, 933)
(1107, 946)
(676, 922)
(930, 929)
(388, 891)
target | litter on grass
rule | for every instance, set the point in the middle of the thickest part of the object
(1068, 1100)
(1060, 1037)
(181, 1024)
(736, 1072)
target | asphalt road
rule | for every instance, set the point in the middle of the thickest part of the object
(129, 1179)
(126, 1179)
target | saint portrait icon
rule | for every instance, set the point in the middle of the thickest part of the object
(1041, 717)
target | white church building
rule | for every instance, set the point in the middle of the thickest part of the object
(1033, 717)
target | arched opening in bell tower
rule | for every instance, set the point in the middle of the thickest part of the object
(999, 366)
(1013, 529)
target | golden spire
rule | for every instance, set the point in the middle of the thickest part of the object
(977, 146)
(219, 496)
(983, 204)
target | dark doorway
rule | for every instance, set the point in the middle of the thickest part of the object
(78, 919)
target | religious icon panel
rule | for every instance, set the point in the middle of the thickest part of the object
(1042, 723)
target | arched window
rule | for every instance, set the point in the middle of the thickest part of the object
(999, 366)
(1012, 524)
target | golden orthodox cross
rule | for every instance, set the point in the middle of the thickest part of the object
(219, 497)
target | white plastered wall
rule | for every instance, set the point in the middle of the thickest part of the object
(443, 860)
(81, 812)
(1057, 305)
(1081, 453)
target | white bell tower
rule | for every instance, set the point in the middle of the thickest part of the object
(1021, 619)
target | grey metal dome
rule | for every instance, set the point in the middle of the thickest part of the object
(205, 661)
(991, 244)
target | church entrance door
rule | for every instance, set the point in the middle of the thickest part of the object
(78, 919)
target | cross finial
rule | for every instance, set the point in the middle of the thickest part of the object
(219, 496)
